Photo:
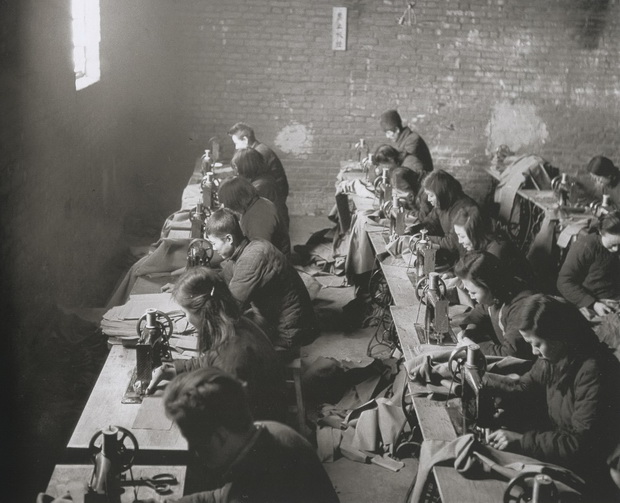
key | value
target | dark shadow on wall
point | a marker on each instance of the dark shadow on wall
(590, 22)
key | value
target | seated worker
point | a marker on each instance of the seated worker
(413, 150)
(579, 376)
(259, 274)
(243, 137)
(251, 165)
(258, 216)
(445, 195)
(229, 341)
(257, 461)
(605, 177)
(475, 233)
(495, 321)
(590, 274)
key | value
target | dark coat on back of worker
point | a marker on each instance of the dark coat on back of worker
(258, 273)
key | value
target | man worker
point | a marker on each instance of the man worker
(257, 461)
(414, 152)
(243, 137)
(258, 274)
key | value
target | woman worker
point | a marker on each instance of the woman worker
(251, 165)
(579, 377)
(495, 321)
(445, 195)
(258, 216)
(590, 275)
(227, 340)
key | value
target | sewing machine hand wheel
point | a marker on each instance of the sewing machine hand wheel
(163, 321)
(127, 447)
(200, 249)
(521, 489)
(422, 287)
(458, 357)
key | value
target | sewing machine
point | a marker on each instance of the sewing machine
(208, 186)
(531, 487)
(603, 207)
(562, 187)
(154, 329)
(395, 210)
(197, 217)
(383, 189)
(206, 163)
(424, 254)
(112, 451)
(199, 253)
(468, 365)
(431, 291)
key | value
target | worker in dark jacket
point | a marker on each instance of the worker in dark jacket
(257, 462)
(494, 322)
(251, 165)
(580, 376)
(414, 152)
(258, 274)
(445, 195)
(259, 218)
(228, 341)
(590, 275)
(243, 137)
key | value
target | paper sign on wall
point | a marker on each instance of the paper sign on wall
(339, 29)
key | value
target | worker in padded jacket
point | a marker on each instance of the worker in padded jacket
(494, 322)
(445, 195)
(414, 152)
(590, 275)
(257, 462)
(579, 376)
(258, 274)
(229, 341)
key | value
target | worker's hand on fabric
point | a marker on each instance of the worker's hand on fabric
(504, 439)
(463, 340)
(452, 282)
(601, 308)
(165, 372)
(168, 287)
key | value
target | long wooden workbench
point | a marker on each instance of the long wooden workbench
(433, 416)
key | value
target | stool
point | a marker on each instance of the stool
(293, 380)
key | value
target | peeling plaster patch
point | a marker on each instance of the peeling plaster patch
(517, 126)
(294, 139)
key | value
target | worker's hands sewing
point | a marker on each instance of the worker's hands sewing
(603, 307)
(168, 287)
(165, 372)
(504, 439)
(462, 339)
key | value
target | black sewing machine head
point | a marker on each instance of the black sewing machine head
(198, 217)
(603, 207)
(153, 348)
(431, 291)
(563, 188)
(199, 253)
(112, 451)
(383, 189)
(468, 365)
(424, 254)
(209, 186)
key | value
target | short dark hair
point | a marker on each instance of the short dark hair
(250, 163)
(390, 120)
(405, 179)
(222, 222)
(237, 194)
(386, 154)
(610, 223)
(603, 166)
(208, 398)
(484, 269)
(446, 188)
(241, 129)
(477, 226)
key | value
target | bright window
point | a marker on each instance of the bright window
(86, 37)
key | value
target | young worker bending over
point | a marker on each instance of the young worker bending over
(259, 274)
(228, 341)
(580, 377)
(495, 321)
(258, 461)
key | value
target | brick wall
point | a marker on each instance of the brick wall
(469, 75)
